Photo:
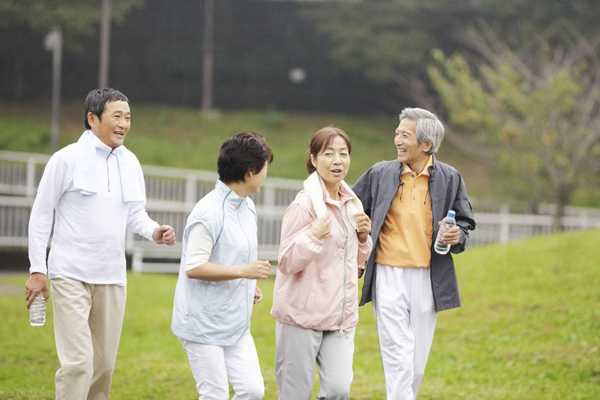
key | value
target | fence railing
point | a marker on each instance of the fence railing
(173, 192)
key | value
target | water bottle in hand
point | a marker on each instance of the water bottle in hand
(37, 311)
(447, 223)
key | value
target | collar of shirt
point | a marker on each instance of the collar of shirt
(406, 169)
(102, 148)
(229, 195)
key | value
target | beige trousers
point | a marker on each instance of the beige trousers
(87, 328)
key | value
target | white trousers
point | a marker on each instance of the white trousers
(214, 366)
(297, 351)
(406, 318)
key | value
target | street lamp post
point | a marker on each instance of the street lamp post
(53, 42)
(104, 45)
(207, 81)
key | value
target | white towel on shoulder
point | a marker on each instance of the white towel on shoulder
(84, 175)
(312, 186)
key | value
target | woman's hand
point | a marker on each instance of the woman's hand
(256, 270)
(361, 270)
(321, 227)
(258, 296)
(364, 226)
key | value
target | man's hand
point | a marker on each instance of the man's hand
(256, 270)
(164, 234)
(321, 227)
(36, 284)
(451, 236)
(364, 226)
(258, 295)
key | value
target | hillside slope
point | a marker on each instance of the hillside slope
(181, 137)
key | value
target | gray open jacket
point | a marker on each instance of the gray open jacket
(376, 189)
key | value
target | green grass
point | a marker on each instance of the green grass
(181, 137)
(528, 329)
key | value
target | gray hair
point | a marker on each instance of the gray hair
(429, 127)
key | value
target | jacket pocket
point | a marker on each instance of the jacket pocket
(188, 293)
(208, 300)
(310, 300)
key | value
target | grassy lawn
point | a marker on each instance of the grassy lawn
(181, 137)
(528, 329)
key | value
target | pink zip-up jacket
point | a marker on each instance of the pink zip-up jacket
(316, 286)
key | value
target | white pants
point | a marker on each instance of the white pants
(406, 318)
(213, 366)
(297, 351)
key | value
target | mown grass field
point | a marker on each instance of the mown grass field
(528, 329)
(181, 137)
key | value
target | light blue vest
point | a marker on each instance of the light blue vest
(218, 313)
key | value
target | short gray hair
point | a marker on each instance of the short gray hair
(429, 127)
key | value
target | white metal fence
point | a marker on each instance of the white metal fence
(173, 192)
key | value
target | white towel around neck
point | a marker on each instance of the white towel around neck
(84, 175)
(312, 186)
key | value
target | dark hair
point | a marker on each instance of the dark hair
(241, 153)
(96, 100)
(320, 140)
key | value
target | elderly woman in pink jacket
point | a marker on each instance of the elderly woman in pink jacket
(324, 245)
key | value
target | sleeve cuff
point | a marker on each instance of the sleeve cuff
(41, 270)
(151, 231)
(314, 244)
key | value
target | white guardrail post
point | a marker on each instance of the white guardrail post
(504, 223)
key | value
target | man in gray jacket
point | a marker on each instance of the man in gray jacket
(407, 280)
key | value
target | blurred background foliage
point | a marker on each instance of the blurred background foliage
(361, 58)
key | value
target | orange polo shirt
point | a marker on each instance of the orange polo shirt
(406, 235)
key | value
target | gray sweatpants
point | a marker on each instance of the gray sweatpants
(297, 351)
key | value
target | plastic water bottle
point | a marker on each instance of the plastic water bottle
(37, 311)
(447, 223)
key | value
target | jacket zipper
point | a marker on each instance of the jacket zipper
(248, 312)
(344, 281)
(108, 170)
(429, 183)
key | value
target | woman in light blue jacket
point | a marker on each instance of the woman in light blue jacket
(217, 277)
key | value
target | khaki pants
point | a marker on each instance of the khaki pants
(87, 328)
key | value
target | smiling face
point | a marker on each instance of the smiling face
(332, 162)
(114, 124)
(408, 147)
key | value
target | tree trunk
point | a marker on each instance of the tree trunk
(562, 199)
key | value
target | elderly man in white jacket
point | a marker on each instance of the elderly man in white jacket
(95, 190)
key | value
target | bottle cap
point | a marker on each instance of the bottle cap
(451, 213)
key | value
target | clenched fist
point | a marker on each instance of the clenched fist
(164, 234)
(321, 227)
(257, 270)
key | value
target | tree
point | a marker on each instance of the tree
(20, 20)
(78, 19)
(536, 106)
(380, 39)
(390, 41)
